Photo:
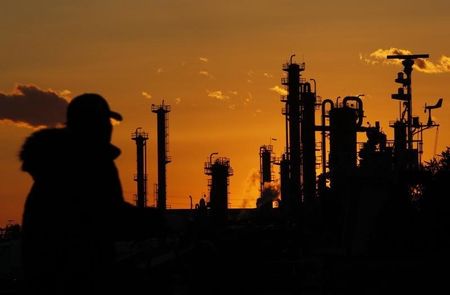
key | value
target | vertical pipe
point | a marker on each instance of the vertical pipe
(287, 132)
(284, 179)
(408, 63)
(161, 160)
(261, 170)
(324, 145)
(293, 102)
(308, 102)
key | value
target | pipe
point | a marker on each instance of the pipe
(324, 146)
(210, 157)
(315, 85)
(286, 123)
(307, 87)
(359, 109)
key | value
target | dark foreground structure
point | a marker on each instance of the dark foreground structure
(376, 220)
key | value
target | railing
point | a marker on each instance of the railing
(286, 66)
(135, 177)
(163, 107)
(285, 80)
(318, 100)
(318, 146)
(137, 134)
(392, 122)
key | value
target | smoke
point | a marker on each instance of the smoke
(252, 181)
(270, 193)
(252, 195)
(32, 107)
(251, 188)
(422, 65)
(271, 190)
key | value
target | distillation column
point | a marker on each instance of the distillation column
(342, 159)
(220, 171)
(140, 137)
(308, 139)
(161, 112)
(292, 111)
(265, 165)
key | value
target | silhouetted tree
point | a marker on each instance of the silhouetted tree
(436, 203)
(439, 164)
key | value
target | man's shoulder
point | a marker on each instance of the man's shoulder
(42, 145)
(43, 136)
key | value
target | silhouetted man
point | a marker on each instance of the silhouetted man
(75, 209)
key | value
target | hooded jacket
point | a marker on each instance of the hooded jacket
(71, 212)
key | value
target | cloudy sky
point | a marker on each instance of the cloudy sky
(218, 64)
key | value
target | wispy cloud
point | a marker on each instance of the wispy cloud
(248, 99)
(217, 94)
(267, 75)
(30, 106)
(422, 65)
(66, 94)
(146, 95)
(159, 70)
(232, 107)
(206, 74)
(233, 92)
(279, 90)
(203, 59)
(426, 66)
(178, 100)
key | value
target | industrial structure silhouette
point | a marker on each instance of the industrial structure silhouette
(364, 202)
(374, 216)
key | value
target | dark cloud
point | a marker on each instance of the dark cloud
(33, 107)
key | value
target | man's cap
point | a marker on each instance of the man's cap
(88, 106)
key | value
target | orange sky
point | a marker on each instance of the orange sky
(214, 62)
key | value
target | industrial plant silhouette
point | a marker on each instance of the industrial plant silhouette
(375, 220)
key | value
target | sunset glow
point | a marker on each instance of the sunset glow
(218, 65)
